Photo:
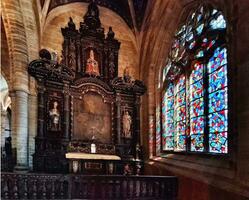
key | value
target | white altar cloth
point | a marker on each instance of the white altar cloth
(91, 156)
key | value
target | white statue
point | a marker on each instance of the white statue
(54, 117)
(127, 124)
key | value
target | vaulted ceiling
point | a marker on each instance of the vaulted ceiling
(132, 11)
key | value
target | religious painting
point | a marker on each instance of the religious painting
(54, 115)
(92, 118)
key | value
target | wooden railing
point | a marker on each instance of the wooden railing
(50, 186)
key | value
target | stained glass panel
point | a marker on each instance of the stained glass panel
(181, 127)
(219, 58)
(217, 101)
(196, 90)
(199, 29)
(218, 79)
(197, 125)
(184, 108)
(180, 142)
(218, 23)
(197, 143)
(218, 142)
(218, 121)
(180, 98)
(169, 143)
(170, 90)
(158, 130)
(180, 83)
(197, 73)
(180, 113)
(196, 108)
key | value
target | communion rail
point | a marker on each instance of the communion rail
(69, 186)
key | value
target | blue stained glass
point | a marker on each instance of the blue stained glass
(197, 73)
(219, 58)
(180, 83)
(170, 90)
(197, 125)
(218, 142)
(218, 121)
(217, 100)
(197, 143)
(190, 36)
(218, 79)
(218, 23)
(199, 29)
(181, 127)
(196, 90)
(200, 54)
(170, 117)
(196, 108)
(170, 102)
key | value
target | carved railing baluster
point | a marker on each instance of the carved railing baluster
(25, 189)
(44, 191)
(52, 189)
(6, 189)
(15, 190)
(34, 190)
(30, 186)
(61, 189)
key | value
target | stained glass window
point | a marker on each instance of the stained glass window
(195, 86)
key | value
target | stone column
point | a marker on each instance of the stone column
(32, 128)
(20, 128)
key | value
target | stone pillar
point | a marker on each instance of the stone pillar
(4, 126)
(32, 128)
(20, 128)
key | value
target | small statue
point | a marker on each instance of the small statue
(54, 117)
(127, 169)
(126, 75)
(127, 124)
(92, 67)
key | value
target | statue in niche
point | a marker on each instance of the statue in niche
(127, 121)
(126, 75)
(92, 67)
(54, 114)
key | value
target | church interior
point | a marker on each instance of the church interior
(125, 99)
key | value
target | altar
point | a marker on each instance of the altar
(87, 163)
(83, 100)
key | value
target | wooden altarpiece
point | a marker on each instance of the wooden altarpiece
(82, 100)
